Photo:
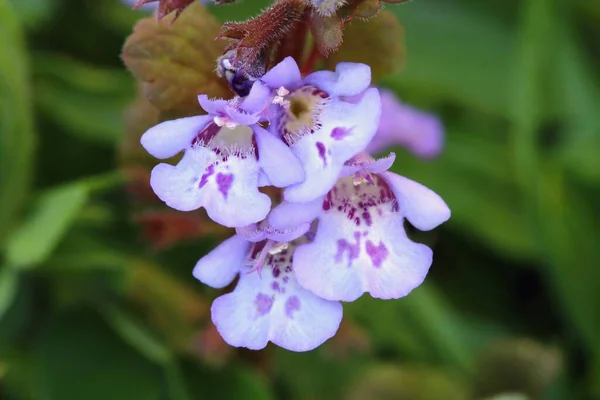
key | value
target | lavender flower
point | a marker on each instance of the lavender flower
(360, 244)
(228, 155)
(401, 125)
(313, 118)
(307, 136)
(272, 307)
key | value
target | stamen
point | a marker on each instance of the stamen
(361, 177)
(262, 256)
(278, 248)
(226, 122)
(280, 98)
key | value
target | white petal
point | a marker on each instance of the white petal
(218, 268)
(287, 215)
(171, 137)
(275, 308)
(277, 160)
(231, 196)
(177, 185)
(421, 206)
(349, 79)
(345, 261)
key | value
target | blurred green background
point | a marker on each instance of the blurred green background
(89, 309)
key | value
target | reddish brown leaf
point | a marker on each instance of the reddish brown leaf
(327, 32)
(262, 35)
(176, 62)
(165, 228)
(171, 305)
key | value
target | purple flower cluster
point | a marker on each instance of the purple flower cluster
(337, 229)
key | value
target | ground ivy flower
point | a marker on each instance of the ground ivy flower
(227, 155)
(321, 128)
(271, 307)
(360, 243)
(401, 125)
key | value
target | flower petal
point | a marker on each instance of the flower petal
(228, 109)
(286, 74)
(277, 160)
(349, 79)
(171, 137)
(324, 152)
(231, 195)
(177, 185)
(275, 308)
(421, 206)
(419, 132)
(212, 106)
(345, 261)
(218, 268)
(258, 99)
(287, 215)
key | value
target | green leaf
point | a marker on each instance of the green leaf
(137, 335)
(16, 121)
(87, 100)
(388, 381)
(176, 384)
(580, 101)
(8, 289)
(78, 357)
(377, 42)
(560, 212)
(455, 53)
(34, 12)
(516, 366)
(233, 382)
(18, 314)
(53, 213)
(471, 176)
(421, 326)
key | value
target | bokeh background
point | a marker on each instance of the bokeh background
(97, 300)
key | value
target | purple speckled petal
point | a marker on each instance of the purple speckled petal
(323, 155)
(227, 189)
(218, 268)
(400, 125)
(360, 246)
(275, 308)
(171, 137)
(420, 205)
(232, 197)
(286, 74)
(287, 215)
(280, 165)
(349, 79)
(177, 185)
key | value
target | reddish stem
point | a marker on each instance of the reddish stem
(311, 61)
